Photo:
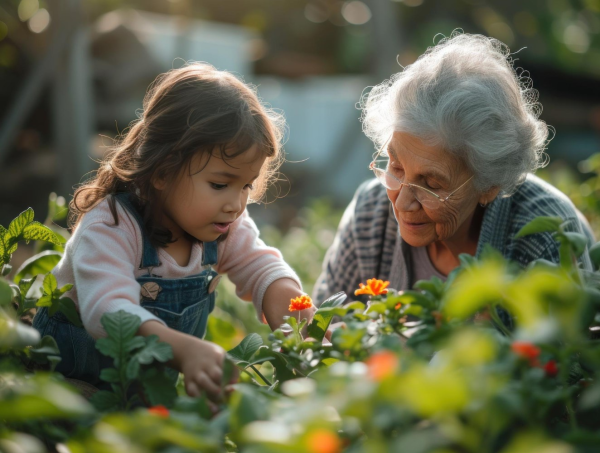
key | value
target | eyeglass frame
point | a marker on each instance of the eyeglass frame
(409, 184)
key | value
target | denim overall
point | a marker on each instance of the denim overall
(183, 304)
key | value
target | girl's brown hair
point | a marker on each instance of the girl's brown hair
(192, 109)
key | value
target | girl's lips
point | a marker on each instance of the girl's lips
(222, 227)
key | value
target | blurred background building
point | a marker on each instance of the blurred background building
(74, 72)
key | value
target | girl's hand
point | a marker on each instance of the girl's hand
(201, 363)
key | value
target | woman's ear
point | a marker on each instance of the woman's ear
(489, 195)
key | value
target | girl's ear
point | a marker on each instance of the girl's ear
(159, 183)
(489, 195)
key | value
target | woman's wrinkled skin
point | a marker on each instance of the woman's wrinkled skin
(454, 227)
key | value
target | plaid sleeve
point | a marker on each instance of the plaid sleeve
(340, 271)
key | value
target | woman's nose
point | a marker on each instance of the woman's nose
(405, 200)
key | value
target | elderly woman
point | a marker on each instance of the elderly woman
(458, 137)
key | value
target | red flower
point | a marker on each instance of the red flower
(551, 368)
(160, 411)
(527, 351)
(300, 303)
(373, 287)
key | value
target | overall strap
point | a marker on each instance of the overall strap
(149, 252)
(209, 253)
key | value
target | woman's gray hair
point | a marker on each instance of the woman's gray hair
(464, 94)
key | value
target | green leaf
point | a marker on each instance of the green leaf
(228, 369)
(541, 225)
(67, 307)
(376, 307)
(335, 300)
(50, 284)
(152, 349)
(65, 288)
(44, 301)
(42, 263)
(3, 237)
(244, 351)
(105, 401)
(159, 388)
(247, 405)
(595, 254)
(16, 227)
(46, 351)
(577, 241)
(35, 231)
(110, 375)
(321, 320)
(120, 327)
(6, 292)
(25, 285)
(16, 335)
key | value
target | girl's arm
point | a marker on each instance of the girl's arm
(277, 301)
(259, 272)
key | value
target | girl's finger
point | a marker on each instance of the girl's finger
(213, 391)
(216, 374)
(192, 389)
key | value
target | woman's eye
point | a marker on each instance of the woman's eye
(216, 186)
(249, 187)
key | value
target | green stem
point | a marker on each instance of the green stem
(564, 377)
(261, 376)
(499, 322)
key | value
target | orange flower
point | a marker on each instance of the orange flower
(373, 287)
(382, 364)
(160, 411)
(398, 305)
(323, 441)
(526, 351)
(300, 303)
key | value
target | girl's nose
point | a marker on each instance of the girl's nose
(235, 203)
(405, 200)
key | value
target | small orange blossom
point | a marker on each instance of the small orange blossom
(382, 364)
(159, 410)
(373, 287)
(526, 351)
(300, 303)
(323, 441)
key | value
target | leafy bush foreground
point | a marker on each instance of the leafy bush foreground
(495, 359)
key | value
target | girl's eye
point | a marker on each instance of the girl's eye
(216, 186)
(249, 187)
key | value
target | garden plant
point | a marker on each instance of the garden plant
(498, 358)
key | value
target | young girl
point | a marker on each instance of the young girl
(167, 205)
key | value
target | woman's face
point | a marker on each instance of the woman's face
(433, 168)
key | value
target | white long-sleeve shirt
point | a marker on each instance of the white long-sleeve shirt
(102, 259)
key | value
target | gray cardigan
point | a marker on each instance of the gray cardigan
(366, 239)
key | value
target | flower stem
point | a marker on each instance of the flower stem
(261, 376)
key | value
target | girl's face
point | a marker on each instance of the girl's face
(208, 196)
(433, 168)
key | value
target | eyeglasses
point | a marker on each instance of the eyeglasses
(427, 198)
